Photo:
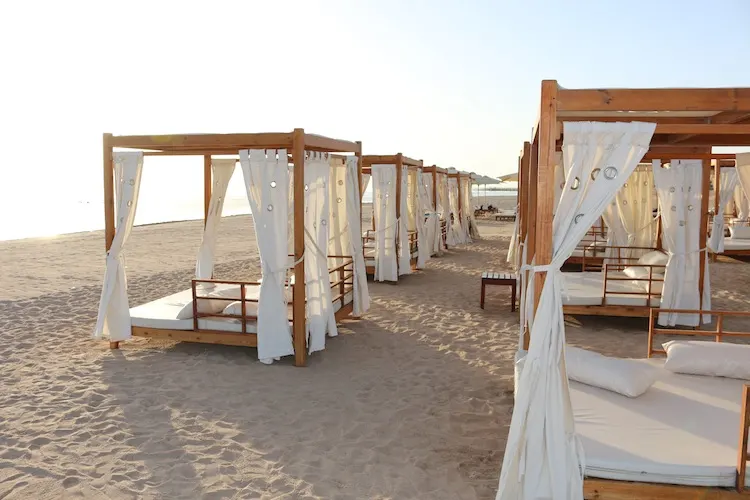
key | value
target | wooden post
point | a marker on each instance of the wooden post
(742, 448)
(399, 165)
(434, 189)
(706, 189)
(532, 187)
(207, 186)
(109, 200)
(546, 182)
(659, 244)
(299, 332)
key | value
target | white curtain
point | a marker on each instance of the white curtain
(559, 178)
(679, 190)
(266, 175)
(512, 256)
(338, 240)
(725, 191)
(617, 236)
(365, 183)
(456, 228)
(354, 218)
(543, 455)
(384, 215)
(320, 314)
(635, 207)
(113, 319)
(742, 166)
(404, 253)
(444, 207)
(222, 170)
(467, 210)
(433, 217)
(741, 203)
(472, 224)
(424, 243)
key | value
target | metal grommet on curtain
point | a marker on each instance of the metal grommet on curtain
(682, 223)
(338, 200)
(577, 218)
(270, 208)
(323, 222)
(131, 182)
(610, 172)
(307, 188)
(576, 184)
(690, 208)
(671, 190)
(624, 202)
(595, 173)
(625, 185)
(273, 184)
(674, 208)
(562, 185)
(341, 183)
(130, 203)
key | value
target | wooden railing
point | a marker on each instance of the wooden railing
(717, 333)
(655, 275)
(617, 254)
(342, 282)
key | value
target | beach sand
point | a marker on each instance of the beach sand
(412, 401)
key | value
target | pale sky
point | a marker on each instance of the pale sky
(452, 82)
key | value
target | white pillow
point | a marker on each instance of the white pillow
(739, 232)
(235, 309)
(636, 272)
(205, 306)
(700, 357)
(623, 376)
(654, 258)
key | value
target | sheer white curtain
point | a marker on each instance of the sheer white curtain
(635, 206)
(421, 209)
(466, 208)
(513, 246)
(543, 456)
(725, 191)
(445, 208)
(742, 166)
(741, 202)
(222, 170)
(456, 228)
(354, 218)
(113, 319)
(559, 178)
(433, 217)
(266, 175)
(338, 241)
(617, 236)
(384, 214)
(679, 190)
(320, 314)
(404, 254)
(365, 183)
(469, 209)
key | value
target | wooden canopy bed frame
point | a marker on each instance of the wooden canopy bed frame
(400, 161)
(724, 161)
(434, 170)
(299, 144)
(689, 122)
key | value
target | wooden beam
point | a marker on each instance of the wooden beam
(320, 143)
(299, 328)
(725, 117)
(702, 129)
(603, 489)
(738, 140)
(203, 337)
(207, 186)
(109, 191)
(699, 100)
(686, 155)
(531, 228)
(546, 182)
(206, 141)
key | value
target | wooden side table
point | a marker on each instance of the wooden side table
(507, 279)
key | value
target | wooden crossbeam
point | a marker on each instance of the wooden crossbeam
(726, 99)
(727, 117)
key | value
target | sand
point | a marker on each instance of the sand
(412, 401)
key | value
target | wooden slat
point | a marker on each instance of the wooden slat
(705, 128)
(725, 117)
(742, 448)
(602, 489)
(203, 336)
(320, 143)
(703, 230)
(109, 191)
(206, 141)
(728, 99)
(707, 140)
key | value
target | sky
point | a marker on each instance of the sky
(455, 83)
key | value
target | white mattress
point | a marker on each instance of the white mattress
(587, 289)
(683, 430)
(736, 244)
(162, 313)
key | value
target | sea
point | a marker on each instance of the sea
(48, 219)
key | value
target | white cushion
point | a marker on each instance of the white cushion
(235, 309)
(655, 258)
(636, 272)
(738, 232)
(700, 357)
(208, 306)
(623, 376)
